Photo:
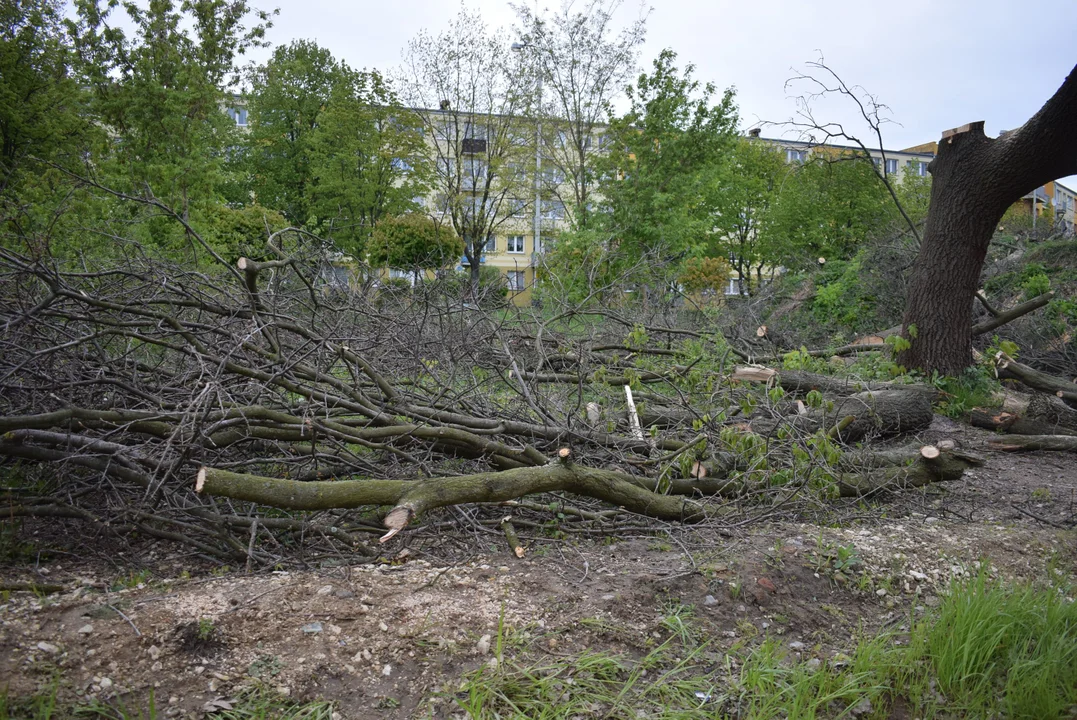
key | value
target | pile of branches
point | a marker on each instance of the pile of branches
(176, 403)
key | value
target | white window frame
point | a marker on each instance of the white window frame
(891, 166)
(793, 155)
(514, 244)
(491, 244)
(517, 280)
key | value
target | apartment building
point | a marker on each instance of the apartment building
(912, 160)
(515, 247)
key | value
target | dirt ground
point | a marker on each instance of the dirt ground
(393, 639)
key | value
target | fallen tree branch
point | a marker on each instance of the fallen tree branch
(1020, 443)
(411, 498)
(1009, 369)
(1012, 314)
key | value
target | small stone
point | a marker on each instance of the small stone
(157, 666)
(609, 597)
(930, 521)
(284, 690)
(492, 663)
(48, 647)
(173, 700)
(325, 589)
(387, 670)
(797, 646)
(742, 608)
(383, 627)
(359, 656)
(344, 593)
(813, 663)
(334, 630)
(767, 584)
(200, 669)
(483, 645)
(86, 629)
(314, 627)
(105, 683)
(710, 600)
(881, 592)
(367, 655)
(154, 651)
(861, 708)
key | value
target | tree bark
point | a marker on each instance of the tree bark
(974, 180)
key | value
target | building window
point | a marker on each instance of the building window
(552, 175)
(400, 164)
(553, 209)
(917, 168)
(891, 167)
(516, 280)
(239, 115)
(733, 288)
(491, 243)
(517, 208)
(796, 156)
(515, 244)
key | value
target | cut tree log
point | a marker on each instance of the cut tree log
(1016, 443)
(906, 468)
(511, 536)
(802, 382)
(878, 413)
(1027, 414)
(883, 413)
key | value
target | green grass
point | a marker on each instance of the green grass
(1014, 648)
(988, 650)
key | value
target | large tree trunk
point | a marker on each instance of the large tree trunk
(974, 180)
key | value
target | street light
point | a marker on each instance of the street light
(537, 228)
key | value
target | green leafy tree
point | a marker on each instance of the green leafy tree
(39, 100)
(413, 242)
(288, 95)
(740, 199)
(826, 209)
(368, 161)
(663, 154)
(158, 89)
(42, 125)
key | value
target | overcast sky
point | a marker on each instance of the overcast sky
(936, 63)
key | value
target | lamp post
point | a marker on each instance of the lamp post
(537, 227)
